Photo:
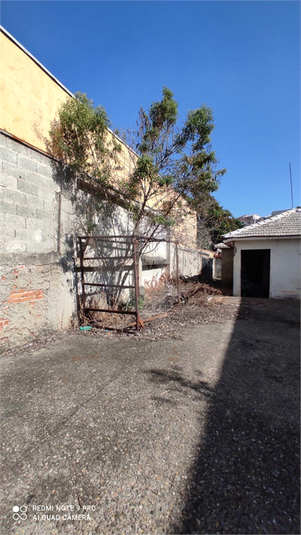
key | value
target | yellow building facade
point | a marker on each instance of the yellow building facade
(29, 95)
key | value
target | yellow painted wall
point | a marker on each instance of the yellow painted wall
(29, 101)
(29, 97)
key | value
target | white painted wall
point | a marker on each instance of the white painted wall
(284, 266)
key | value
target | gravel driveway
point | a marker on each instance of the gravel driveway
(194, 432)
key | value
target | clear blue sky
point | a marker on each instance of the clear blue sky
(241, 58)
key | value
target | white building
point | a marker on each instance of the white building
(266, 257)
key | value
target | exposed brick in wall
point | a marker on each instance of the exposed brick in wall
(37, 279)
(3, 323)
(20, 296)
(35, 299)
(36, 291)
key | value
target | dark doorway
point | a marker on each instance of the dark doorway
(255, 273)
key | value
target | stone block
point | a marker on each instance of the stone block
(39, 180)
(49, 205)
(45, 214)
(46, 246)
(27, 187)
(29, 164)
(8, 207)
(45, 170)
(8, 181)
(39, 157)
(8, 155)
(35, 224)
(34, 201)
(13, 222)
(26, 211)
(45, 193)
(25, 235)
(16, 246)
(15, 196)
(9, 169)
(14, 145)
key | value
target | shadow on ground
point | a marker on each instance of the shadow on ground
(246, 475)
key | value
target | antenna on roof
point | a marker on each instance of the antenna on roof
(291, 185)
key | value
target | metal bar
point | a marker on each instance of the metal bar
(82, 275)
(96, 269)
(110, 238)
(157, 240)
(177, 273)
(121, 258)
(135, 259)
(112, 311)
(107, 285)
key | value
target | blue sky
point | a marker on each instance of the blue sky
(241, 58)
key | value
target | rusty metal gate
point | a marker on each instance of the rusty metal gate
(120, 256)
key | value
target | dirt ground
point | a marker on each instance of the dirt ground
(189, 426)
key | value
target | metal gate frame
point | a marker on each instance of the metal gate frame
(84, 242)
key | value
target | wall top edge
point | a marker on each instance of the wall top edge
(9, 36)
(26, 144)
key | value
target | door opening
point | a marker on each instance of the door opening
(255, 273)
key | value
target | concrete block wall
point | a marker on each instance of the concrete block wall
(29, 200)
(191, 261)
(36, 298)
(37, 223)
(36, 289)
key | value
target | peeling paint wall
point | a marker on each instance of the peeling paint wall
(37, 293)
(36, 298)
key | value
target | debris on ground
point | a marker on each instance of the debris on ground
(162, 312)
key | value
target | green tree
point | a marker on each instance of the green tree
(170, 162)
(172, 156)
(214, 221)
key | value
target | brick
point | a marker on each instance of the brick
(8, 207)
(12, 170)
(27, 187)
(25, 295)
(8, 155)
(26, 163)
(3, 323)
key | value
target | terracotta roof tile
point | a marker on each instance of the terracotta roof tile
(285, 224)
